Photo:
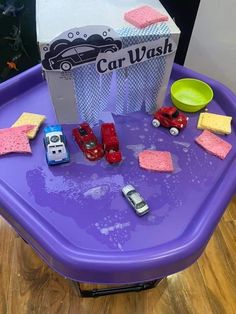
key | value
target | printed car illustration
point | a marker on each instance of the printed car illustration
(87, 142)
(110, 143)
(171, 118)
(79, 54)
(55, 145)
(135, 200)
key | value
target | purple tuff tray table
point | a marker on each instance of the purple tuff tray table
(74, 215)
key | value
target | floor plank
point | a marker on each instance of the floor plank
(209, 286)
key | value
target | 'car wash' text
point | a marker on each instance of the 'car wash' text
(107, 62)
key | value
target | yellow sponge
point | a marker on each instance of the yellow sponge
(30, 118)
(199, 124)
(215, 123)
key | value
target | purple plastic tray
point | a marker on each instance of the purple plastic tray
(74, 215)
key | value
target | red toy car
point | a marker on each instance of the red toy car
(110, 143)
(171, 118)
(88, 142)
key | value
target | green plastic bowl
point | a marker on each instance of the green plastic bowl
(190, 95)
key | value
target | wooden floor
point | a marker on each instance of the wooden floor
(27, 285)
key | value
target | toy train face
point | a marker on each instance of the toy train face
(55, 145)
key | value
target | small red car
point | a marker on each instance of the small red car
(171, 118)
(87, 142)
(110, 143)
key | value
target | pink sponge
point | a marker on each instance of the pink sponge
(214, 144)
(156, 160)
(144, 16)
(15, 140)
(23, 128)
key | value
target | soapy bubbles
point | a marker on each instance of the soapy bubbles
(70, 35)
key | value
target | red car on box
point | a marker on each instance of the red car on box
(171, 118)
(110, 143)
(88, 142)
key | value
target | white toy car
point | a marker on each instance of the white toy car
(55, 145)
(135, 199)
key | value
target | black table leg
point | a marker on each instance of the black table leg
(114, 290)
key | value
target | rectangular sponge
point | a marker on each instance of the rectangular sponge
(156, 160)
(144, 16)
(214, 122)
(214, 144)
(30, 118)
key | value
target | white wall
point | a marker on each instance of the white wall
(212, 48)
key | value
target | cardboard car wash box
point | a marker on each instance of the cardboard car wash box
(95, 61)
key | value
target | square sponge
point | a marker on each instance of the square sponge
(32, 119)
(215, 122)
(144, 16)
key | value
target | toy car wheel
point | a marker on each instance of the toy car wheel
(156, 123)
(66, 66)
(44, 143)
(109, 50)
(174, 131)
